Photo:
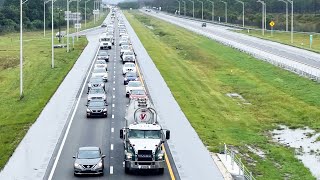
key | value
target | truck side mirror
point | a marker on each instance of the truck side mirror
(121, 133)
(168, 134)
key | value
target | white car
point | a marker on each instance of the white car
(123, 33)
(133, 85)
(128, 56)
(105, 45)
(100, 72)
(97, 93)
(101, 64)
(124, 42)
(124, 48)
(129, 67)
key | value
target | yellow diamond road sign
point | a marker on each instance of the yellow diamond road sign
(272, 23)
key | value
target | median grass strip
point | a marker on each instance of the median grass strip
(200, 72)
(300, 40)
(40, 83)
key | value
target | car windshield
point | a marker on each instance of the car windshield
(88, 154)
(134, 84)
(96, 91)
(99, 71)
(138, 92)
(96, 103)
(144, 134)
(128, 53)
(103, 53)
(131, 74)
(129, 65)
(96, 80)
(125, 47)
(101, 62)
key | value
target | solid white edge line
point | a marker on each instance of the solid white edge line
(111, 169)
(71, 120)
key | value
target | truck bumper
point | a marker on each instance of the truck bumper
(132, 165)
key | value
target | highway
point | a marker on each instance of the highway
(102, 132)
(245, 43)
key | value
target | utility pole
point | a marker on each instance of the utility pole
(184, 7)
(52, 40)
(212, 13)
(179, 6)
(263, 16)
(242, 11)
(225, 10)
(44, 17)
(68, 23)
(59, 25)
(192, 8)
(291, 2)
(201, 9)
(21, 50)
(286, 13)
(85, 13)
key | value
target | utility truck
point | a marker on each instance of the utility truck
(143, 138)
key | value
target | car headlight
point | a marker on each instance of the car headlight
(125, 79)
(129, 155)
(76, 165)
(99, 165)
(88, 110)
(89, 85)
(105, 110)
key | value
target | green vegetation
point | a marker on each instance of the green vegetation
(40, 82)
(200, 72)
(300, 40)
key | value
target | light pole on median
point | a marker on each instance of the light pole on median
(286, 13)
(225, 10)
(242, 11)
(263, 24)
(52, 40)
(77, 27)
(212, 13)
(85, 13)
(291, 2)
(21, 50)
(201, 9)
(179, 6)
(192, 8)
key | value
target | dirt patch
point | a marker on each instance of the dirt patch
(8, 62)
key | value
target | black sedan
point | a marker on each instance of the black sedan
(89, 160)
(97, 108)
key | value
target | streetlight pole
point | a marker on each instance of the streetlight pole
(184, 7)
(85, 13)
(263, 24)
(242, 11)
(212, 13)
(52, 40)
(192, 8)
(286, 13)
(59, 25)
(291, 2)
(68, 19)
(201, 9)
(21, 50)
(226, 10)
(94, 8)
(179, 6)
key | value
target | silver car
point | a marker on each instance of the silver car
(97, 93)
(89, 160)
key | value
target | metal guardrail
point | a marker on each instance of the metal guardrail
(243, 171)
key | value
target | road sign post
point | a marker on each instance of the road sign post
(271, 25)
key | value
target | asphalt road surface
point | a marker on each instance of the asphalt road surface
(102, 132)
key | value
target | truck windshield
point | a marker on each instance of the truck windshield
(144, 134)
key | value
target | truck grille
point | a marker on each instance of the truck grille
(144, 155)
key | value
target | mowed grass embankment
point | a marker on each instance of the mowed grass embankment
(300, 40)
(200, 72)
(40, 83)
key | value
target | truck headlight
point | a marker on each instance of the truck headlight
(160, 156)
(129, 155)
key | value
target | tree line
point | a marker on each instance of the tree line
(33, 14)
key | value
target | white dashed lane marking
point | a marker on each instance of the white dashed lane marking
(112, 130)
(112, 105)
(111, 169)
(112, 116)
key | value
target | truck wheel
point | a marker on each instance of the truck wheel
(161, 170)
(126, 170)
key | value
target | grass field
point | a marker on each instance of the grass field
(300, 40)
(200, 72)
